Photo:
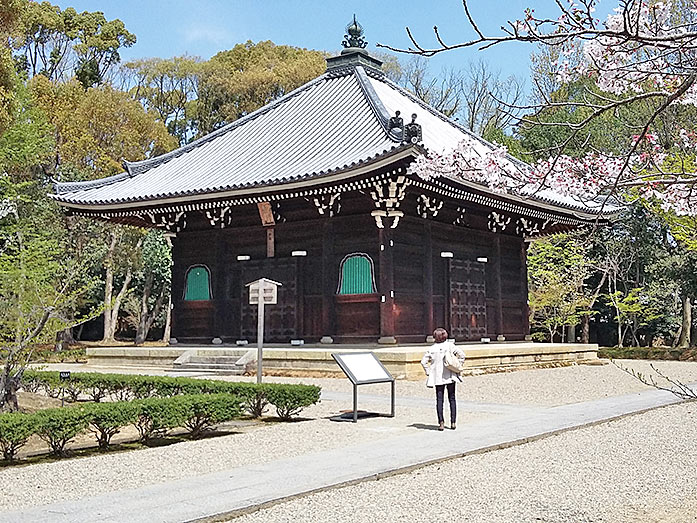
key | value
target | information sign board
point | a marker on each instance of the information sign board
(363, 368)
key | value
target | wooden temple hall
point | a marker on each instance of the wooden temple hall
(314, 191)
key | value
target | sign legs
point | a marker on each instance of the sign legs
(355, 403)
(260, 337)
(393, 394)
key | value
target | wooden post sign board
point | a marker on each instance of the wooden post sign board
(363, 368)
(63, 375)
(262, 292)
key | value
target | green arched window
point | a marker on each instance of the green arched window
(356, 276)
(198, 283)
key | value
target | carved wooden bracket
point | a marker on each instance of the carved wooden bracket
(169, 221)
(461, 220)
(327, 204)
(498, 221)
(220, 217)
(388, 196)
(428, 207)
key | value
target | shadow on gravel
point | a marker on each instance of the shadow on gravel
(423, 426)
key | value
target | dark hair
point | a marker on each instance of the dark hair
(440, 335)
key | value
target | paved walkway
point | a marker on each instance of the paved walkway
(240, 489)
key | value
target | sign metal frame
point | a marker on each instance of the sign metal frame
(351, 375)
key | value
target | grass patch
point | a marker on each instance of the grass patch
(48, 355)
(648, 353)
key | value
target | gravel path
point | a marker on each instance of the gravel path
(44, 483)
(638, 469)
(547, 387)
(50, 482)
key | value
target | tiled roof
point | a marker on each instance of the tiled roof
(330, 125)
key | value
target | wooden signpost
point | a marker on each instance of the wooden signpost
(64, 375)
(262, 292)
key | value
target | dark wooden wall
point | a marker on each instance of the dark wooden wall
(428, 291)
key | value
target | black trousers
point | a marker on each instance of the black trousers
(440, 392)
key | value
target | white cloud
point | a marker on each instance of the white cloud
(206, 34)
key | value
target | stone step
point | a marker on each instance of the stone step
(228, 360)
(234, 370)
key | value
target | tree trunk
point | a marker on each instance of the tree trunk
(620, 336)
(586, 328)
(109, 290)
(141, 328)
(117, 304)
(147, 317)
(571, 336)
(9, 385)
(686, 327)
(167, 332)
(635, 329)
(64, 338)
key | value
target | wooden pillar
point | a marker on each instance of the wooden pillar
(386, 286)
(428, 279)
(270, 242)
(497, 283)
(174, 290)
(327, 281)
(219, 276)
(524, 283)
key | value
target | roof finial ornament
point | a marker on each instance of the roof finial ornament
(412, 131)
(396, 122)
(354, 38)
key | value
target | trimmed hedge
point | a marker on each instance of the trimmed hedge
(107, 419)
(289, 399)
(153, 417)
(15, 430)
(58, 427)
(157, 416)
(206, 410)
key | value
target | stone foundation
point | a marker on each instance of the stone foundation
(404, 362)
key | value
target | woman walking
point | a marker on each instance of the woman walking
(440, 377)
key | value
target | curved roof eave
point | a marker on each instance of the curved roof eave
(395, 154)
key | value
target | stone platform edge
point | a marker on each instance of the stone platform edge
(401, 361)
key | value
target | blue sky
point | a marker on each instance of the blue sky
(204, 27)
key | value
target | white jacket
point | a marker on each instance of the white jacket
(432, 362)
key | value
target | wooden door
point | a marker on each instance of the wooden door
(467, 300)
(282, 319)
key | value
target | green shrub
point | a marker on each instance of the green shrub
(291, 400)
(142, 387)
(257, 400)
(156, 416)
(31, 381)
(120, 386)
(15, 429)
(539, 337)
(106, 419)
(50, 383)
(73, 388)
(57, 427)
(95, 385)
(166, 387)
(206, 410)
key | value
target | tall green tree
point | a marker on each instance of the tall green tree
(39, 292)
(63, 43)
(168, 89)
(557, 269)
(10, 15)
(248, 76)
